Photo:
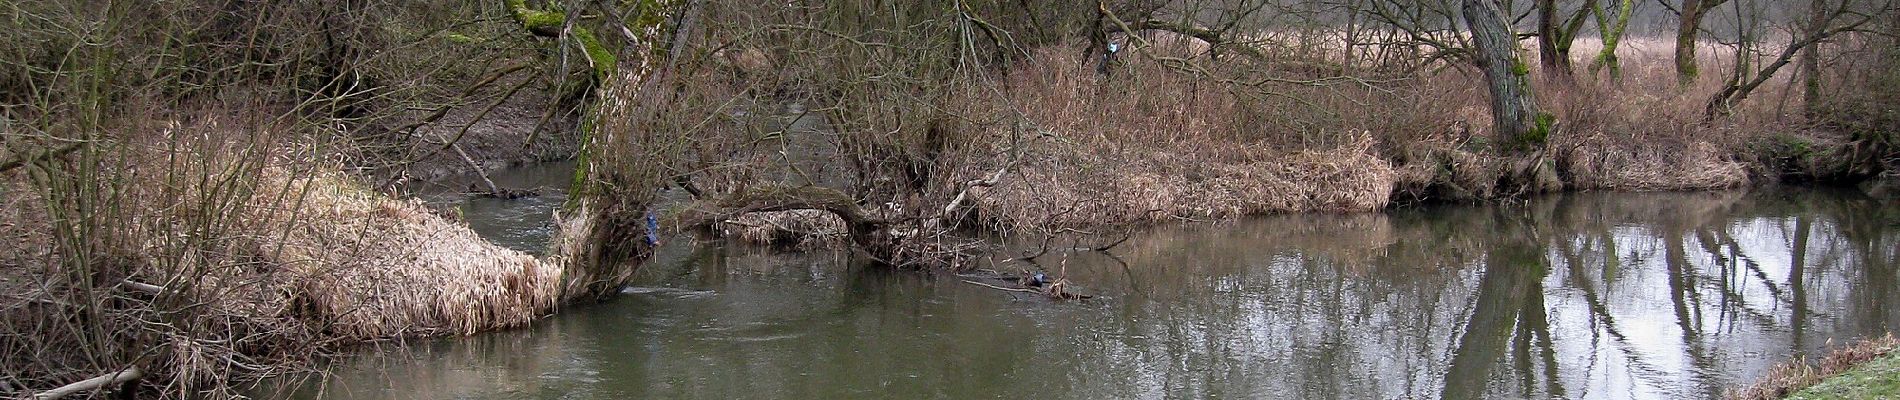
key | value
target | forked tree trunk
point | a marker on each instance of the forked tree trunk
(1737, 90)
(1611, 28)
(1518, 124)
(1555, 34)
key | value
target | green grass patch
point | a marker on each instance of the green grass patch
(1877, 379)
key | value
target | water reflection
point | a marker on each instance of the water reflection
(1580, 296)
(522, 224)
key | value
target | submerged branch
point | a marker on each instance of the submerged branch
(122, 376)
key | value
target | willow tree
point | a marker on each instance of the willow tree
(1517, 122)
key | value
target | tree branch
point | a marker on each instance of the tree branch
(122, 376)
(23, 159)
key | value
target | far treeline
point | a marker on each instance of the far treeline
(199, 193)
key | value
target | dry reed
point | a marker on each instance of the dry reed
(261, 260)
(1154, 140)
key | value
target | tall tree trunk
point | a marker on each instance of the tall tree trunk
(1811, 58)
(613, 189)
(1517, 122)
(1550, 50)
(1687, 30)
(1555, 34)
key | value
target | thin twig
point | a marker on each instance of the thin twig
(1000, 287)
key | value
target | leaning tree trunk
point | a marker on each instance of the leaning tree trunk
(1737, 90)
(1517, 123)
(620, 165)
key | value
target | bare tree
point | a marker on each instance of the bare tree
(1845, 16)
(1811, 59)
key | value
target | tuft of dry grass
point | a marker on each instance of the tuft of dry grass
(1792, 376)
(263, 261)
(1068, 186)
(369, 266)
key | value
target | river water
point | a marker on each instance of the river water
(1593, 295)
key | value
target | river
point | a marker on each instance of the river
(1591, 295)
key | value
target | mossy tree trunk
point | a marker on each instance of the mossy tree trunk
(553, 24)
(602, 239)
(1611, 24)
(1518, 125)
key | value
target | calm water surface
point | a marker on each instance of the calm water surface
(1576, 296)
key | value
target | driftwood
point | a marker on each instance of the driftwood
(1002, 288)
(95, 383)
(768, 199)
(970, 189)
(1055, 290)
(147, 288)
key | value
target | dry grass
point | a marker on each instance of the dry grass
(1154, 140)
(370, 267)
(1152, 143)
(1794, 375)
(266, 259)
(1648, 133)
(799, 229)
(1069, 186)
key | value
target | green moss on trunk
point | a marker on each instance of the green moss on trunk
(601, 60)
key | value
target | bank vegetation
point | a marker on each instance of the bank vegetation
(196, 194)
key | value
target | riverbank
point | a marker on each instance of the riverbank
(294, 261)
(1153, 143)
(1150, 142)
(1875, 379)
(225, 258)
(208, 227)
(1864, 369)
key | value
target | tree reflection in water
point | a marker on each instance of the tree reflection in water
(1580, 296)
